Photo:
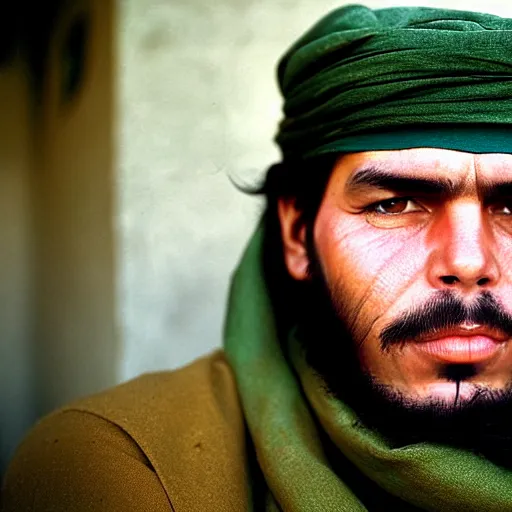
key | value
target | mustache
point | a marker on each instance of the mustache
(445, 310)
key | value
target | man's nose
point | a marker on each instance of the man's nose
(464, 255)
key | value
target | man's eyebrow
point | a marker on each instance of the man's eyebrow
(372, 177)
(492, 190)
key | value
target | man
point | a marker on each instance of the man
(367, 360)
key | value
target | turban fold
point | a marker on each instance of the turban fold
(398, 78)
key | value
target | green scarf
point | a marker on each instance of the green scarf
(284, 404)
(398, 78)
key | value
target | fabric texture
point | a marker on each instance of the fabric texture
(286, 407)
(398, 78)
(164, 442)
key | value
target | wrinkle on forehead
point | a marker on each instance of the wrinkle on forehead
(467, 171)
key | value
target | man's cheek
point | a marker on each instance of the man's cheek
(381, 270)
(349, 245)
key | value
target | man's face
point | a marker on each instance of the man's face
(415, 247)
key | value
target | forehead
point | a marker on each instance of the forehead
(456, 166)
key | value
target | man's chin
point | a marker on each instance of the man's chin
(466, 415)
(457, 394)
(444, 398)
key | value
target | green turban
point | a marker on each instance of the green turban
(398, 78)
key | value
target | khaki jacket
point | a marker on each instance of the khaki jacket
(170, 441)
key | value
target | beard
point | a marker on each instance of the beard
(480, 422)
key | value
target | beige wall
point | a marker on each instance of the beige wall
(16, 286)
(76, 341)
(58, 336)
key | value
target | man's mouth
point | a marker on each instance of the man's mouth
(465, 344)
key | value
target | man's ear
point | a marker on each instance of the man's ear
(293, 234)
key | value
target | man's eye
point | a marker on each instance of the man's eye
(395, 206)
(502, 209)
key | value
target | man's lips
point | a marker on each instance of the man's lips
(463, 345)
